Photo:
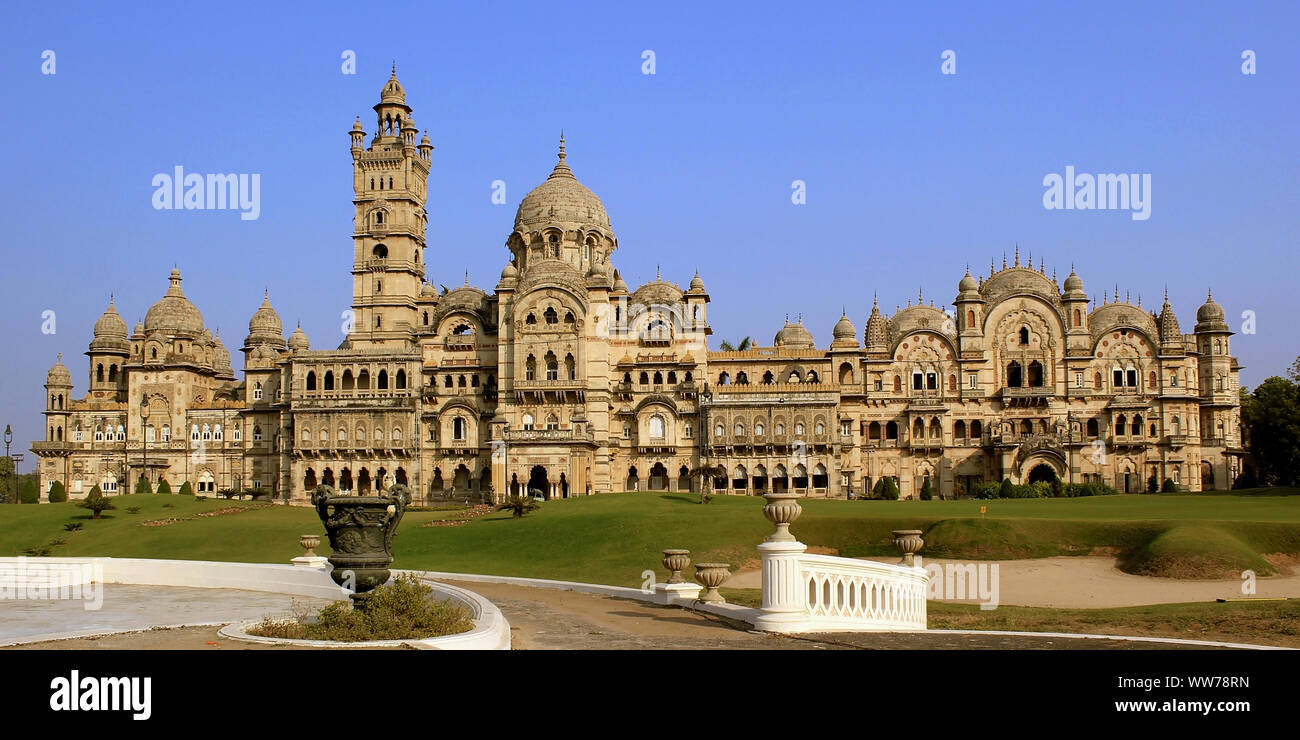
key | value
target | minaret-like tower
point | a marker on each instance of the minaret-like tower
(390, 182)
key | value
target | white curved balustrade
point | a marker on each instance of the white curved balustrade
(842, 593)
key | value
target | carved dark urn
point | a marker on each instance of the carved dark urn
(361, 530)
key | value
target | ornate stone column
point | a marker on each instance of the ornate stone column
(784, 594)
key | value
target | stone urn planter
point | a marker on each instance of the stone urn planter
(782, 509)
(309, 543)
(676, 561)
(908, 542)
(361, 530)
(710, 576)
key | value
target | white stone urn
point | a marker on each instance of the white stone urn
(782, 509)
(908, 542)
(712, 575)
(309, 543)
(676, 561)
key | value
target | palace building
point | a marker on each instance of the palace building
(563, 380)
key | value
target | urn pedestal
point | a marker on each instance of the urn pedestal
(712, 575)
(310, 559)
(908, 542)
(676, 590)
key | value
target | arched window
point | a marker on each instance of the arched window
(1096, 381)
(329, 380)
(1137, 425)
(657, 427)
(531, 320)
(959, 429)
(898, 384)
(724, 379)
(363, 380)
(798, 429)
(1121, 425)
(460, 381)
(1036, 374)
(382, 381)
(379, 252)
(758, 429)
(570, 368)
(1013, 375)
(1177, 426)
(659, 378)
(99, 371)
(527, 420)
(1078, 318)
(257, 391)
(311, 381)
(717, 430)
(112, 373)
(551, 316)
(672, 377)
(401, 380)
(458, 428)
(970, 319)
(1151, 380)
(742, 378)
(768, 378)
(952, 382)
(873, 430)
(1094, 429)
(846, 374)
(740, 430)
(891, 430)
(530, 368)
(645, 378)
(1024, 335)
(976, 429)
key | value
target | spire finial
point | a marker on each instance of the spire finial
(659, 275)
(1017, 254)
(60, 360)
(561, 144)
(467, 278)
(1004, 259)
(1166, 292)
(874, 302)
(394, 67)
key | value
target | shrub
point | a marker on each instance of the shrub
(404, 609)
(1168, 486)
(1089, 489)
(1152, 484)
(1058, 488)
(164, 487)
(133, 509)
(142, 485)
(987, 490)
(58, 494)
(878, 490)
(519, 505)
(927, 491)
(1007, 489)
(27, 493)
(96, 502)
(73, 527)
(169, 506)
(186, 489)
(39, 551)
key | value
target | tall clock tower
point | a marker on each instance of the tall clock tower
(390, 181)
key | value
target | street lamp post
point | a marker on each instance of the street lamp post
(144, 437)
(9, 438)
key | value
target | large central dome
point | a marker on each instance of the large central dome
(561, 201)
(174, 314)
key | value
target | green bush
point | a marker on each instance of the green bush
(142, 485)
(1168, 486)
(27, 493)
(1007, 489)
(73, 527)
(1076, 490)
(1058, 488)
(164, 487)
(186, 489)
(1152, 484)
(133, 509)
(519, 505)
(927, 491)
(58, 494)
(96, 502)
(404, 609)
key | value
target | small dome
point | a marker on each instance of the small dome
(697, 285)
(424, 140)
(173, 313)
(1073, 283)
(428, 291)
(59, 375)
(265, 326)
(1209, 317)
(794, 336)
(561, 199)
(139, 329)
(968, 284)
(298, 339)
(221, 359)
(393, 91)
(111, 324)
(510, 272)
(620, 285)
(657, 293)
(845, 334)
(356, 125)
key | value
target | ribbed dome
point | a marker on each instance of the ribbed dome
(173, 313)
(794, 336)
(657, 293)
(1209, 317)
(509, 272)
(298, 340)
(393, 91)
(697, 285)
(59, 375)
(265, 326)
(428, 291)
(139, 329)
(221, 358)
(111, 324)
(968, 284)
(561, 199)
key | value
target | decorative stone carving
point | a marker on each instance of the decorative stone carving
(676, 561)
(309, 542)
(712, 575)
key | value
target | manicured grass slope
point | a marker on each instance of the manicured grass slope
(612, 538)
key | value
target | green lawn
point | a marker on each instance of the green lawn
(612, 538)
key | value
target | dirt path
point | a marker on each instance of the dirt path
(1089, 582)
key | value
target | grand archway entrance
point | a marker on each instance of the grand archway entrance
(1042, 473)
(538, 483)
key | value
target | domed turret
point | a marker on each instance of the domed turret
(1210, 316)
(393, 91)
(58, 376)
(110, 332)
(845, 334)
(428, 291)
(968, 284)
(265, 326)
(221, 359)
(510, 272)
(794, 336)
(1073, 284)
(561, 200)
(298, 340)
(620, 285)
(173, 314)
(697, 285)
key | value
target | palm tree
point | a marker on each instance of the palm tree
(706, 474)
(744, 344)
(519, 505)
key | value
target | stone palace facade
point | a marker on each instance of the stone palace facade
(562, 379)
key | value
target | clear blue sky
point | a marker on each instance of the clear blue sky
(910, 174)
